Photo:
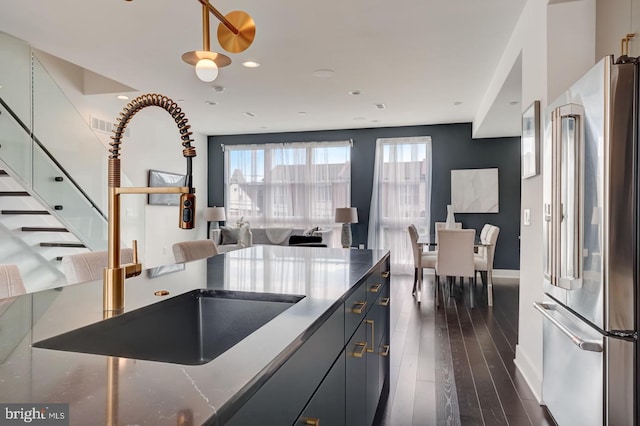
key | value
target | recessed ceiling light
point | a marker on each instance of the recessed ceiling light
(249, 114)
(218, 89)
(211, 102)
(122, 97)
(302, 112)
(375, 121)
(381, 106)
(250, 64)
(354, 92)
(457, 103)
(514, 103)
(324, 73)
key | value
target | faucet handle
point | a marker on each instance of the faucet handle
(134, 268)
(134, 246)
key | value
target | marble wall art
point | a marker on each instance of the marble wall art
(474, 190)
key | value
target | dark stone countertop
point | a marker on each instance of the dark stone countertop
(140, 392)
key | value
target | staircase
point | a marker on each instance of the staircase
(32, 237)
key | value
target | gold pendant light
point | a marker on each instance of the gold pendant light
(236, 33)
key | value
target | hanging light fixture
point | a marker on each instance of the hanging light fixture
(236, 32)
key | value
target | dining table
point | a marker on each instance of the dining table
(428, 241)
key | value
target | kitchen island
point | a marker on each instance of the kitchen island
(326, 355)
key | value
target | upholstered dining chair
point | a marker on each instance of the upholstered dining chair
(11, 283)
(83, 267)
(188, 251)
(455, 256)
(421, 260)
(483, 262)
(443, 225)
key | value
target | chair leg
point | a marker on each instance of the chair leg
(415, 281)
(435, 291)
(471, 295)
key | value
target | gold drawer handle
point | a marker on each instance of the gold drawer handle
(384, 301)
(385, 352)
(373, 337)
(358, 307)
(375, 288)
(311, 421)
(385, 274)
(361, 347)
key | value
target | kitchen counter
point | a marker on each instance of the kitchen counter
(100, 389)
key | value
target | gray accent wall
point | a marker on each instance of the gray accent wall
(453, 148)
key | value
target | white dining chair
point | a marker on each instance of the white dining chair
(11, 283)
(89, 266)
(484, 263)
(421, 261)
(188, 251)
(455, 256)
(443, 225)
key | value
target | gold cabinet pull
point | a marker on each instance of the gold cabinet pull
(385, 352)
(361, 347)
(385, 274)
(358, 307)
(373, 338)
(384, 301)
(375, 288)
(311, 421)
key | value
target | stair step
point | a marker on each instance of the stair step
(30, 212)
(64, 244)
(43, 229)
(14, 194)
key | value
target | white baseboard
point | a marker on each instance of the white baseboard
(530, 374)
(506, 273)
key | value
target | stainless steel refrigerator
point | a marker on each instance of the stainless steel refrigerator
(590, 240)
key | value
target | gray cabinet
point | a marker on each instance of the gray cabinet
(339, 376)
(356, 377)
(327, 406)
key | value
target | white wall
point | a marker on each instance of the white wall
(154, 144)
(556, 44)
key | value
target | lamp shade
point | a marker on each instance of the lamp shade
(215, 214)
(346, 215)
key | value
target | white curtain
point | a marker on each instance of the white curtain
(288, 185)
(401, 196)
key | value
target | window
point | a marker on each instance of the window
(401, 196)
(297, 184)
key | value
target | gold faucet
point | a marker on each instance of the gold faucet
(115, 274)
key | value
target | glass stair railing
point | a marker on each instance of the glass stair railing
(50, 151)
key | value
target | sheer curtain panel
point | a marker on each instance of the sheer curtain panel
(401, 196)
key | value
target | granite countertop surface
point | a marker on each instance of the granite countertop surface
(99, 388)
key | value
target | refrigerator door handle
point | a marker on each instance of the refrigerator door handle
(584, 344)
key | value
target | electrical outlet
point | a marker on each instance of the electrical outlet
(361, 246)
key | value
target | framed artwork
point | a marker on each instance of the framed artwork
(530, 141)
(475, 191)
(164, 179)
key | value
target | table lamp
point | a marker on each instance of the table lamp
(346, 216)
(216, 215)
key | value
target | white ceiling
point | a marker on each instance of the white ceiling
(417, 57)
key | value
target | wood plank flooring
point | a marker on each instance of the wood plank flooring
(454, 365)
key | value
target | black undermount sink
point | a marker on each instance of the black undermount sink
(192, 328)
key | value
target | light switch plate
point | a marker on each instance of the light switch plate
(526, 217)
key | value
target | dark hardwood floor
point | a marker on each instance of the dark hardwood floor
(454, 365)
